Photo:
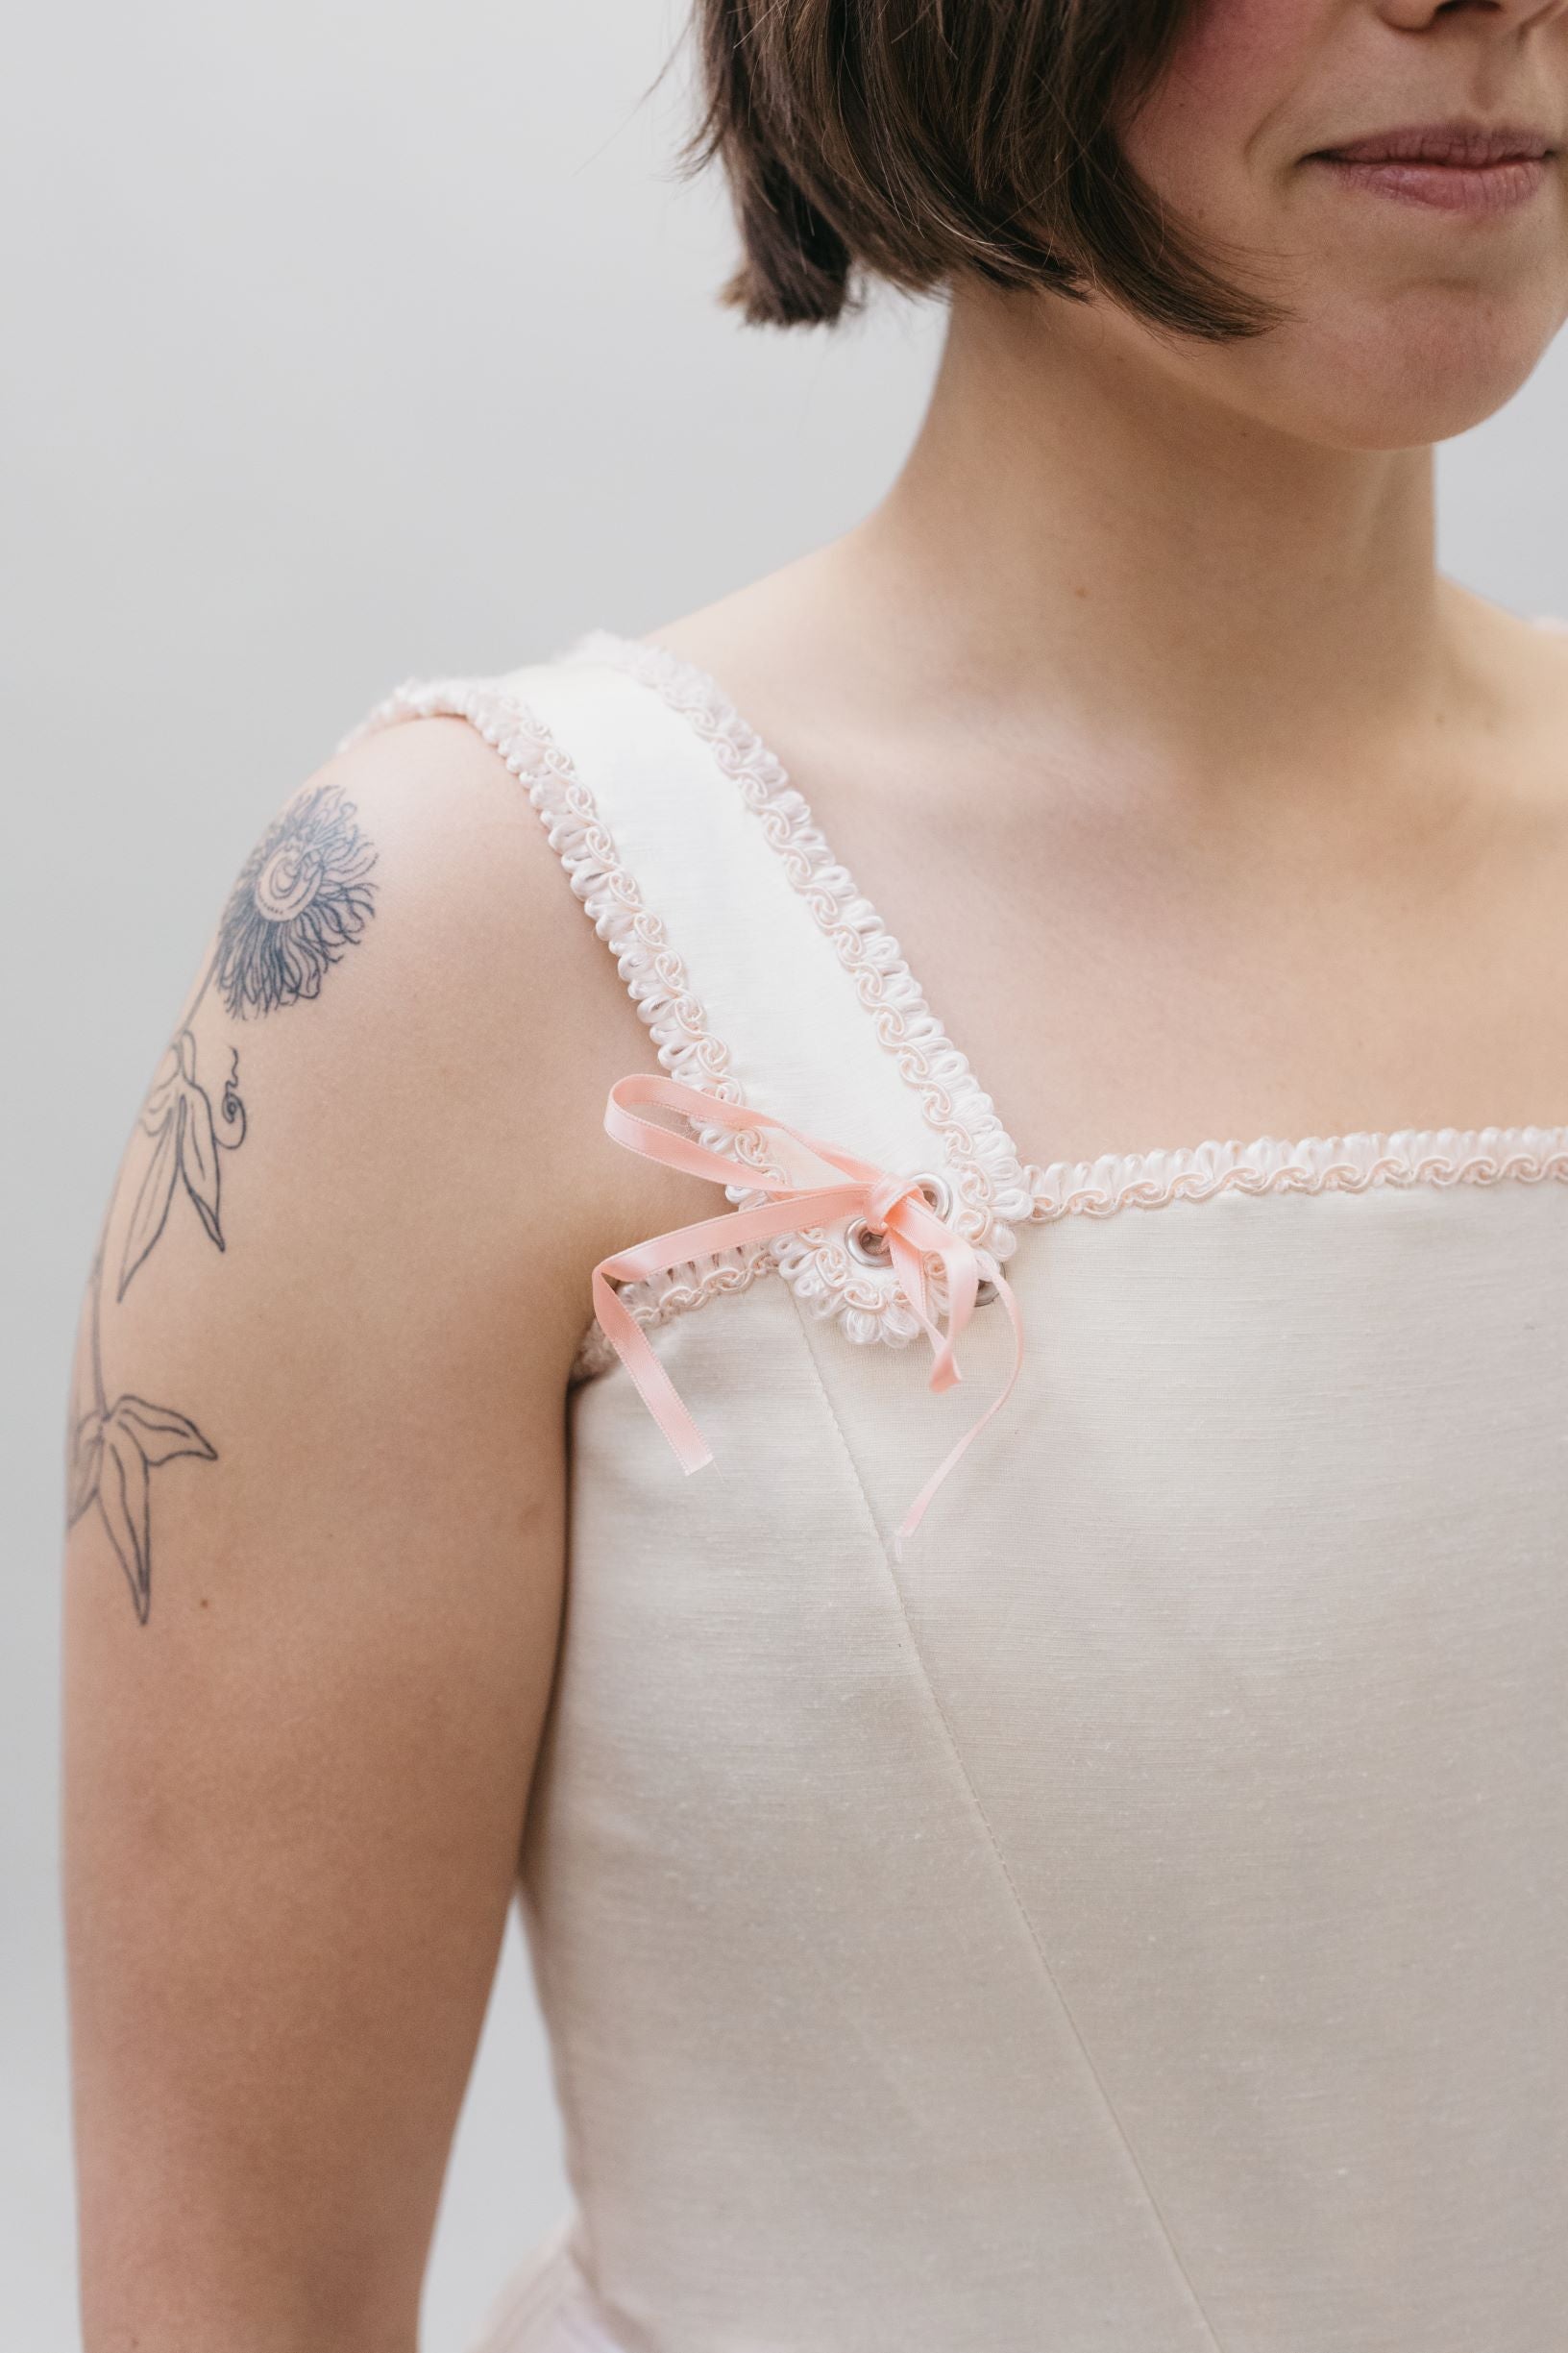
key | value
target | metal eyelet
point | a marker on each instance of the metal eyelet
(870, 1244)
(939, 1193)
(985, 1292)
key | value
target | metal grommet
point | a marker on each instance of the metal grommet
(870, 1244)
(939, 1193)
(985, 1292)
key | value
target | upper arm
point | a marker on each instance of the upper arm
(314, 1565)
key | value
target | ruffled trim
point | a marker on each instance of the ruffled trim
(648, 965)
(990, 1189)
(998, 1188)
(994, 1190)
(1316, 1163)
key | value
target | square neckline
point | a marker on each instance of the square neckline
(979, 1150)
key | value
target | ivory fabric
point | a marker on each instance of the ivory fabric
(1135, 1921)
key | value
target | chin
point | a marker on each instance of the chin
(1395, 374)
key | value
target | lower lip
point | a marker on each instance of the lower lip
(1446, 188)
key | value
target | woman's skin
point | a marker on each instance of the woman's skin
(1143, 674)
(1142, 677)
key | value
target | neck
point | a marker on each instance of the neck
(1077, 527)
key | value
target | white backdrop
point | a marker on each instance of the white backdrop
(348, 341)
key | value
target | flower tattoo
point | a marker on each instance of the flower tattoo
(300, 900)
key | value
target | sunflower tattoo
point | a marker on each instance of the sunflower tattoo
(301, 900)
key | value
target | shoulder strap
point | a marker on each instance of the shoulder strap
(777, 997)
(763, 978)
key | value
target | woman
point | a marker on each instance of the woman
(1073, 1857)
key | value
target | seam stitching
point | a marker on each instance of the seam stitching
(1018, 1905)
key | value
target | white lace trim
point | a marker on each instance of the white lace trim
(995, 1192)
(998, 1187)
(1316, 1163)
(648, 965)
(990, 1189)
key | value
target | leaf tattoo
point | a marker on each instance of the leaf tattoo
(112, 1456)
(187, 1139)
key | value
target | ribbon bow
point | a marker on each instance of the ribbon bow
(892, 1203)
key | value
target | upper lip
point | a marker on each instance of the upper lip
(1453, 142)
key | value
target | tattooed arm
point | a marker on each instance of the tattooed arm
(314, 1567)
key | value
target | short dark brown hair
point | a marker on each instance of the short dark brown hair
(915, 140)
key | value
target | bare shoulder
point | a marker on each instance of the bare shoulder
(504, 988)
(402, 953)
(374, 1132)
(480, 992)
(765, 641)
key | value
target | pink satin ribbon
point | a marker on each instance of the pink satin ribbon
(893, 1204)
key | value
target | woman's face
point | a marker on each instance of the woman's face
(1421, 294)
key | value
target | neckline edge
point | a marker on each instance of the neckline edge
(1365, 1154)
